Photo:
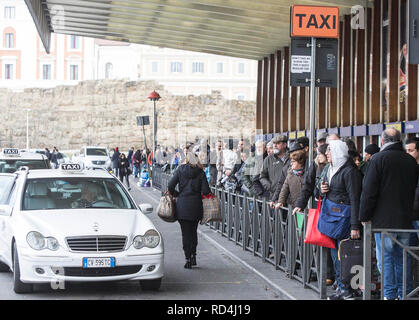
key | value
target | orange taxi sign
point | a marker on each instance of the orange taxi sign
(314, 21)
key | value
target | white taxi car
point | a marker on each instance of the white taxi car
(93, 157)
(75, 225)
(12, 159)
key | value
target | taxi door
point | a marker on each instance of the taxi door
(8, 189)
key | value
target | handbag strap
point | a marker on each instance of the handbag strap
(319, 203)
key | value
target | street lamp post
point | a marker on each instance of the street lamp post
(27, 129)
(154, 96)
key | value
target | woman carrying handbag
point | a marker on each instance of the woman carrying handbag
(190, 178)
(340, 187)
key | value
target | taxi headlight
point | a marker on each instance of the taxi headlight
(150, 239)
(38, 242)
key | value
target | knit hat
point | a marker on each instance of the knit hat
(372, 149)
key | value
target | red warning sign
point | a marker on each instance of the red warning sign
(314, 21)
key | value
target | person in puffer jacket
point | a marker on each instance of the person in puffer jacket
(189, 209)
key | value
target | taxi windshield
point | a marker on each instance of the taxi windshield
(11, 165)
(96, 152)
(75, 193)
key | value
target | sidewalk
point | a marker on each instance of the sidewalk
(288, 289)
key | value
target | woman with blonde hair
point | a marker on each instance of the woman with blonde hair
(192, 183)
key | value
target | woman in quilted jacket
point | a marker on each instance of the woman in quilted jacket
(192, 182)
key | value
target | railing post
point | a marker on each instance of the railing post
(230, 213)
(255, 229)
(238, 206)
(277, 235)
(367, 262)
(263, 227)
(245, 211)
(290, 245)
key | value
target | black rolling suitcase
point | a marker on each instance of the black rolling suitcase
(351, 260)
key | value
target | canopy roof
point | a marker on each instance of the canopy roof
(249, 29)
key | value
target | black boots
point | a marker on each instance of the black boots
(193, 259)
(188, 264)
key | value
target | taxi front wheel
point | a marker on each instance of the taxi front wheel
(19, 286)
(150, 285)
(4, 267)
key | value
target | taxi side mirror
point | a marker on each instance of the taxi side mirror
(6, 210)
(146, 208)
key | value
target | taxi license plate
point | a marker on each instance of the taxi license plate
(98, 262)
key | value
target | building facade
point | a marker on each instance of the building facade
(24, 62)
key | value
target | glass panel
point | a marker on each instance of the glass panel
(96, 152)
(6, 184)
(71, 193)
(10, 166)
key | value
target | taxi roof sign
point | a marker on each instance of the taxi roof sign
(11, 151)
(314, 21)
(71, 167)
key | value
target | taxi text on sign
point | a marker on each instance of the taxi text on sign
(314, 21)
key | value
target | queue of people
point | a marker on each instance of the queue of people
(381, 189)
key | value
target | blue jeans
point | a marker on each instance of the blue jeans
(136, 172)
(116, 171)
(416, 226)
(393, 264)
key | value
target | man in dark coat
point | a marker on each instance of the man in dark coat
(273, 165)
(387, 202)
(115, 162)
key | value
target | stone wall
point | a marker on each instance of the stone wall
(104, 113)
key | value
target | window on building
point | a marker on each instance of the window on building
(9, 40)
(74, 42)
(9, 12)
(241, 67)
(8, 71)
(74, 72)
(197, 67)
(155, 66)
(220, 67)
(46, 72)
(109, 71)
(176, 66)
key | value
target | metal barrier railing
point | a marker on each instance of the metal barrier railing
(412, 251)
(273, 235)
(157, 178)
(277, 237)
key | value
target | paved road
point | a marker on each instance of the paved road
(217, 276)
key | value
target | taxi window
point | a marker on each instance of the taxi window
(96, 152)
(11, 165)
(6, 184)
(75, 193)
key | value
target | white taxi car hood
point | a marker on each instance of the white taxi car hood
(83, 222)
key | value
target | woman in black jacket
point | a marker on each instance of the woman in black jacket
(341, 183)
(124, 169)
(192, 184)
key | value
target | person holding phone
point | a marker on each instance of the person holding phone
(341, 183)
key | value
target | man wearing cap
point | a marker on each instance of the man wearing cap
(370, 150)
(273, 164)
(321, 138)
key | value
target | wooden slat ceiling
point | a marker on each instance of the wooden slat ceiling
(250, 29)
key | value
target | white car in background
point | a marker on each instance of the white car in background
(75, 225)
(11, 159)
(93, 157)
